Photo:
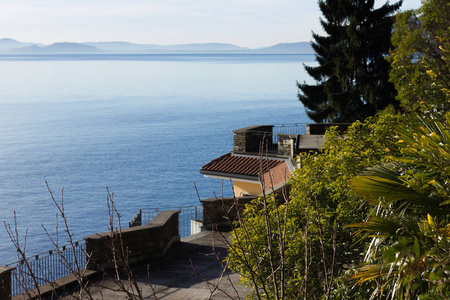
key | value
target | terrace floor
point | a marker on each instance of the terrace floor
(191, 270)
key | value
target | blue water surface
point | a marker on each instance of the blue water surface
(141, 125)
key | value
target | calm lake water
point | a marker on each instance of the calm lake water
(141, 125)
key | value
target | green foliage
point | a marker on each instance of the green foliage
(411, 228)
(300, 248)
(352, 79)
(297, 248)
(420, 58)
(409, 255)
(258, 249)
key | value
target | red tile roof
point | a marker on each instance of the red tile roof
(276, 177)
(239, 165)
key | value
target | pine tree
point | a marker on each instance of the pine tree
(352, 75)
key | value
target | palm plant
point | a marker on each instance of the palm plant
(409, 255)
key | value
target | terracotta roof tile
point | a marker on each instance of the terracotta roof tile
(240, 165)
(276, 176)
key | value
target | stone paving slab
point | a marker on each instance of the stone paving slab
(190, 270)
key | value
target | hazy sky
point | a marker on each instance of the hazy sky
(249, 23)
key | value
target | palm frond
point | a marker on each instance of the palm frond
(383, 182)
(370, 272)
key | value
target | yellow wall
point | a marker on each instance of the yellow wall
(241, 188)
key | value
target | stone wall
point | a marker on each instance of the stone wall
(144, 243)
(286, 144)
(220, 213)
(244, 138)
(5, 283)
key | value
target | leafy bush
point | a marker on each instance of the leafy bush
(297, 248)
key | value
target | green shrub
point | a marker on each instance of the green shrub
(299, 248)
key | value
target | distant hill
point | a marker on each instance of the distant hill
(24, 50)
(125, 47)
(288, 48)
(121, 47)
(57, 48)
(70, 48)
(206, 47)
(11, 46)
(6, 44)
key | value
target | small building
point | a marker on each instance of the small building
(263, 156)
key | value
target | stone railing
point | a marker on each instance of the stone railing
(187, 215)
(144, 243)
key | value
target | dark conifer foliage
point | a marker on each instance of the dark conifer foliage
(352, 75)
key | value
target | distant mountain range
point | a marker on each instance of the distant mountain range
(10, 46)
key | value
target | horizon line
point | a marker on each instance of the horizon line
(146, 44)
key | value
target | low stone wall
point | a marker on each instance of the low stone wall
(220, 213)
(5, 282)
(144, 243)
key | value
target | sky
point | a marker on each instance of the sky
(247, 23)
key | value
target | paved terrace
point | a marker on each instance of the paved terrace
(190, 270)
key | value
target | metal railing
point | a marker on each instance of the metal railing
(287, 129)
(46, 267)
(49, 266)
(257, 139)
(187, 214)
(269, 139)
